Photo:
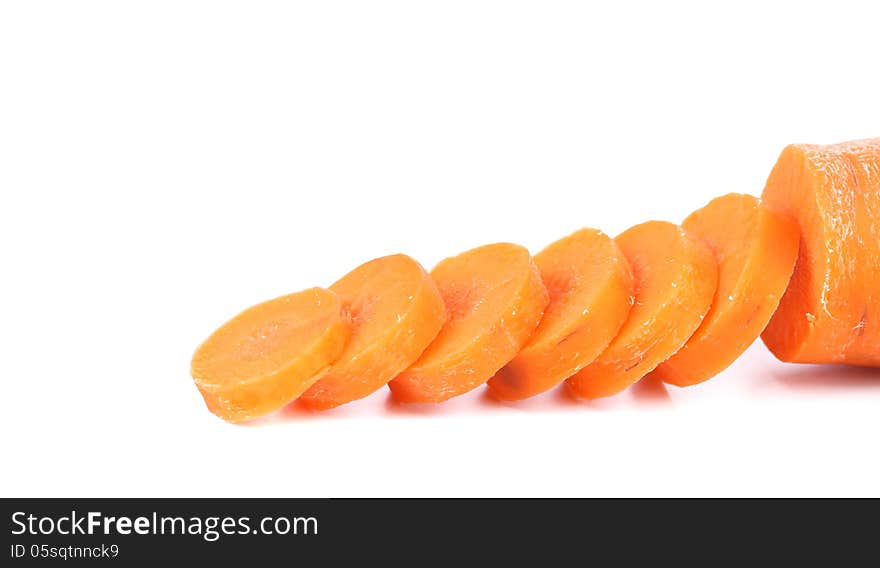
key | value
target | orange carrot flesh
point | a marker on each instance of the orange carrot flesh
(590, 286)
(494, 300)
(269, 354)
(675, 278)
(831, 310)
(799, 267)
(395, 311)
(756, 250)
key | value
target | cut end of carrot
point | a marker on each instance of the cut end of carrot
(395, 311)
(589, 284)
(829, 312)
(675, 279)
(269, 354)
(756, 250)
(494, 299)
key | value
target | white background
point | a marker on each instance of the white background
(165, 164)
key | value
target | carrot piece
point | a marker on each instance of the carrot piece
(269, 354)
(675, 279)
(590, 285)
(831, 310)
(755, 249)
(395, 311)
(495, 298)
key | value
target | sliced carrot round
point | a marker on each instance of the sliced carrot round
(675, 277)
(755, 249)
(590, 286)
(269, 354)
(395, 311)
(831, 309)
(494, 299)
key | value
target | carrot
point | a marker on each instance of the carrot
(269, 354)
(831, 310)
(494, 299)
(675, 279)
(678, 303)
(755, 249)
(395, 311)
(590, 285)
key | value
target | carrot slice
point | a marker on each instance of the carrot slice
(590, 285)
(831, 310)
(755, 249)
(269, 354)
(395, 311)
(675, 278)
(495, 298)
